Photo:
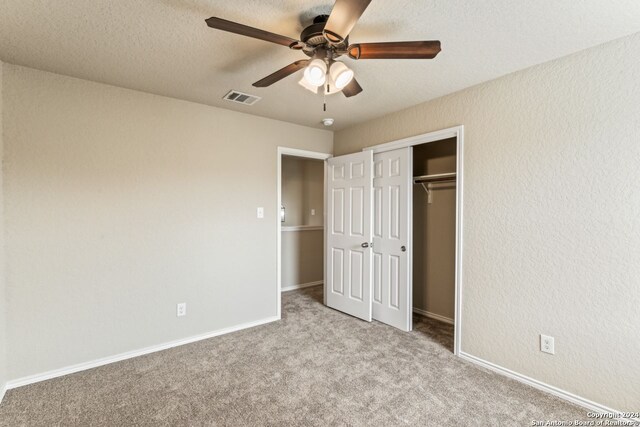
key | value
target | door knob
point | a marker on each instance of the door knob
(365, 245)
(403, 248)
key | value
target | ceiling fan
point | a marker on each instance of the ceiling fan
(326, 40)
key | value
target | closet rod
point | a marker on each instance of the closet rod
(439, 177)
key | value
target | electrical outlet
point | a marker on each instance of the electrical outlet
(181, 309)
(313, 212)
(260, 213)
(547, 344)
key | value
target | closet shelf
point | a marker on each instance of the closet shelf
(301, 227)
(439, 177)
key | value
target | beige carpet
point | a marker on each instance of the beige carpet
(315, 367)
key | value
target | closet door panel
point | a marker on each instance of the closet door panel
(349, 234)
(392, 302)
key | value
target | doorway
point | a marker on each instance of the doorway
(434, 229)
(301, 220)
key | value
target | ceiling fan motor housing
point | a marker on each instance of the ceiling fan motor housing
(313, 37)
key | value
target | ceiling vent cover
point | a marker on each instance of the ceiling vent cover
(241, 98)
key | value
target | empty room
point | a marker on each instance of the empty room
(319, 213)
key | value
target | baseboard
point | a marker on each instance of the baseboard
(3, 390)
(430, 315)
(131, 354)
(570, 397)
(301, 286)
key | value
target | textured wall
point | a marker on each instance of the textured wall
(552, 216)
(120, 204)
(3, 289)
(434, 231)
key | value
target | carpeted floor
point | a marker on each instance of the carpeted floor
(316, 367)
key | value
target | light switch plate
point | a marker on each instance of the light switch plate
(260, 212)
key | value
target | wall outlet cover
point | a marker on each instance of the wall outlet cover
(547, 344)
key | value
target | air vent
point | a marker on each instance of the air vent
(241, 98)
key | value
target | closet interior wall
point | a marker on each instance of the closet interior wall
(434, 230)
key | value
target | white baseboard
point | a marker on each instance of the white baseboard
(303, 285)
(580, 401)
(131, 354)
(433, 316)
(3, 390)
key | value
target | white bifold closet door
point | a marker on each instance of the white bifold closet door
(349, 234)
(392, 291)
(368, 236)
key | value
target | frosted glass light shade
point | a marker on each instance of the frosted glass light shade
(341, 74)
(303, 82)
(316, 72)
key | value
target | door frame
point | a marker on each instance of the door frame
(452, 132)
(286, 151)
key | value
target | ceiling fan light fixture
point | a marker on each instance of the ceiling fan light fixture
(341, 74)
(303, 82)
(325, 40)
(316, 72)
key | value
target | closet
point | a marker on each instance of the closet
(393, 231)
(434, 229)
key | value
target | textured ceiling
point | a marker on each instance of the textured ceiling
(164, 47)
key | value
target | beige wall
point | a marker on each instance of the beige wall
(3, 290)
(551, 216)
(302, 251)
(293, 190)
(302, 190)
(314, 192)
(434, 231)
(302, 257)
(120, 204)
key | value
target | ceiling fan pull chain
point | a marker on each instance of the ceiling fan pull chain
(324, 99)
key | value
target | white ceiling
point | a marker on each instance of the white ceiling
(164, 46)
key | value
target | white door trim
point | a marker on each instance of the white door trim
(438, 135)
(286, 151)
(458, 133)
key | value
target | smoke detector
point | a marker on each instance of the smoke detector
(327, 122)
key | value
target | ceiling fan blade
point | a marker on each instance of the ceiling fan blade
(244, 30)
(352, 89)
(282, 73)
(343, 18)
(395, 50)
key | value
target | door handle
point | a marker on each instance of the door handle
(367, 245)
(403, 248)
